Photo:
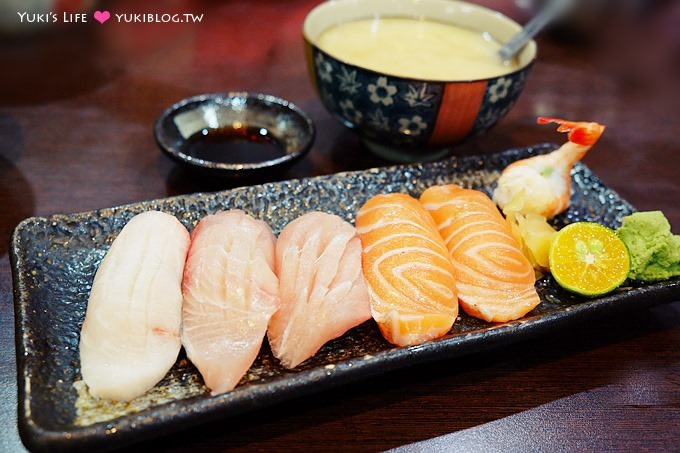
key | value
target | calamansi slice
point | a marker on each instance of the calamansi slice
(588, 259)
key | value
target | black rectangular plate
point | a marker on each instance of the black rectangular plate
(54, 260)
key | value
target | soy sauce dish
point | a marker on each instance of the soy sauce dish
(234, 134)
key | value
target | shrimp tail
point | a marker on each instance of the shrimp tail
(580, 132)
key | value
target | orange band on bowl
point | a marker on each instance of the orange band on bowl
(457, 112)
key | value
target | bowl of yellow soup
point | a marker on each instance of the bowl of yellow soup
(413, 77)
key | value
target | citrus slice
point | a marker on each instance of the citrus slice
(588, 259)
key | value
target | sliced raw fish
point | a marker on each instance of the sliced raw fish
(131, 334)
(408, 270)
(230, 292)
(321, 285)
(495, 280)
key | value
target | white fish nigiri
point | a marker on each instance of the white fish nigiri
(230, 292)
(321, 285)
(131, 334)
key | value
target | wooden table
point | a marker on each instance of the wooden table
(76, 112)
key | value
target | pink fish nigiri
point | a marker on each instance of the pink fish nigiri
(131, 334)
(230, 292)
(494, 280)
(322, 287)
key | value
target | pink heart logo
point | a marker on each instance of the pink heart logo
(102, 16)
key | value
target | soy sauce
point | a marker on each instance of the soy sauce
(234, 145)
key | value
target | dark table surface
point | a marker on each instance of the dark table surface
(76, 111)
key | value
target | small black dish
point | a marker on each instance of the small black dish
(234, 134)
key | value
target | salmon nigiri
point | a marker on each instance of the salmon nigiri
(542, 184)
(322, 288)
(408, 270)
(131, 334)
(230, 293)
(495, 281)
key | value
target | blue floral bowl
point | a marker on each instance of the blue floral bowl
(406, 119)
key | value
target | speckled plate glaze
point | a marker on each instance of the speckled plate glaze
(54, 260)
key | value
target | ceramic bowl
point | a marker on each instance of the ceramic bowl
(234, 134)
(410, 119)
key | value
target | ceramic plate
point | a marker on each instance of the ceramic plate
(54, 261)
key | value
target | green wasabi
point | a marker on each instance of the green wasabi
(654, 250)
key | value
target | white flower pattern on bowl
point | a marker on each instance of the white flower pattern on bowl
(500, 89)
(350, 112)
(500, 96)
(413, 126)
(381, 92)
(324, 68)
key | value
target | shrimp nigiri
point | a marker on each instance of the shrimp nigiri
(542, 184)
